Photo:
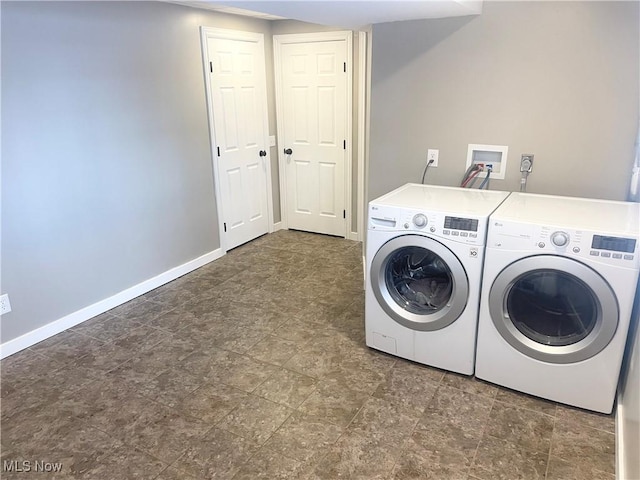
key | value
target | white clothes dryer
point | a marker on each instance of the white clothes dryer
(424, 253)
(559, 282)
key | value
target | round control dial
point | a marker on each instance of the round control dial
(420, 220)
(560, 239)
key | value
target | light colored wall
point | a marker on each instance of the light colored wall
(628, 415)
(106, 166)
(556, 79)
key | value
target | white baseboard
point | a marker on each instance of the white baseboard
(277, 226)
(620, 465)
(42, 333)
(626, 455)
(353, 236)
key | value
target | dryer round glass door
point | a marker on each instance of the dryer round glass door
(419, 282)
(553, 309)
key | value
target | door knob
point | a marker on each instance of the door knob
(263, 153)
(288, 151)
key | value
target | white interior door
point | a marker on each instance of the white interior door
(237, 93)
(313, 95)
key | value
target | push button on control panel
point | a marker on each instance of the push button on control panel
(617, 255)
(605, 254)
(594, 253)
(628, 257)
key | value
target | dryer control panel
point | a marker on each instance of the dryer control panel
(614, 250)
(462, 229)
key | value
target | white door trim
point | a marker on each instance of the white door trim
(220, 33)
(362, 135)
(278, 41)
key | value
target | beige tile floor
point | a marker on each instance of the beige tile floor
(255, 367)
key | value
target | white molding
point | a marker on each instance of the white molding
(278, 41)
(348, 178)
(354, 236)
(280, 130)
(622, 450)
(204, 31)
(277, 226)
(313, 37)
(620, 458)
(31, 338)
(258, 38)
(362, 137)
(367, 130)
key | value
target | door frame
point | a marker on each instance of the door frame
(278, 42)
(220, 33)
(363, 83)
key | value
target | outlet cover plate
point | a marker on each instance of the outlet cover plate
(433, 155)
(5, 305)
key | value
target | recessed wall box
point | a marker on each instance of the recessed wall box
(494, 156)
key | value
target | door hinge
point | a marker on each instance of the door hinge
(344, 144)
(344, 214)
(225, 226)
(218, 151)
(345, 67)
(211, 66)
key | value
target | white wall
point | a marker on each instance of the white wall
(628, 413)
(556, 79)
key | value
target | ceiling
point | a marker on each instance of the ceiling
(347, 14)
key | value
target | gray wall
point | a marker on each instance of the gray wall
(106, 167)
(556, 79)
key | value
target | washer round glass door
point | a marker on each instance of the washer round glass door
(419, 282)
(553, 309)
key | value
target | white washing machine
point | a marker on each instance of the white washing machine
(559, 281)
(425, 246)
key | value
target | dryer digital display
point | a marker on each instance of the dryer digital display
(459, 223)
(614, 244)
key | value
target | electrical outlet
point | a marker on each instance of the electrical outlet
(432, 155)
(5, 305)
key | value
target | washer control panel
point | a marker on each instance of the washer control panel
(618, 250)
(467, 230)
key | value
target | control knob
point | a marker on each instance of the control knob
(420, 220)
(560, 239)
